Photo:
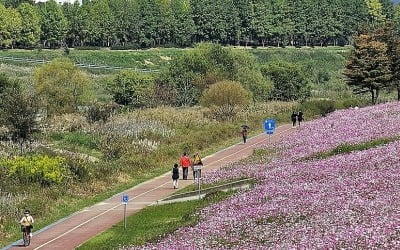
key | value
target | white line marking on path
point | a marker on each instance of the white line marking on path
(148, 191)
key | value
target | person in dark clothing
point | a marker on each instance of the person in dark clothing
(244, 134)
(300, 117)
(175, 175)
(294, 118)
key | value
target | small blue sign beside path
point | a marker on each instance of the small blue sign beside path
(269, 126)
(125, 199)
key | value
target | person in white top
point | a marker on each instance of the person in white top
(27, 222)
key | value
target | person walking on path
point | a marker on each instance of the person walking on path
(293, 117)
(300, 117)
(244, 134)
(196, 162)
(175, 175)
(185, 164)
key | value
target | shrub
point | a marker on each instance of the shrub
(114, 146)
(290, 83)
(100, 112)
(225, 99)
(37, 168)
(129, 87)
(318, 107)
(62, 86)
(80, 168)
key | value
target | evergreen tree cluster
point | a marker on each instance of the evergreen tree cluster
(151, 23)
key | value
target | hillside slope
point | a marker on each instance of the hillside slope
(349, 200)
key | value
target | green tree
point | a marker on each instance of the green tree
(183, 28)
(253, 81)
(132, 88)
(17, 109)
(53, 24)
(126, 21)
(395, 65)
(100, 23)
(246, 16)
(289, 81)
(10, 26)
(188, 76)
(225, 99)
(387, 9)
(375, 11)
(368, 68)
(62, 86)
(77, 30)
(396, 19)
(15, 3)
(355, 16)
(262, 21)
(216, 21)
(280, 22)
(30, 29)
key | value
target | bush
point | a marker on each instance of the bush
(225, 99)
(318, 107)
(62, 87)
(114, 146)
(290, 82)
(37, 168)
(80, 168)
(131, 88)
(100, 112)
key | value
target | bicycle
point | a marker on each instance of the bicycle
(26, 235)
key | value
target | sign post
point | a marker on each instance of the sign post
(197, 168)
(269, 126)
(125, 200)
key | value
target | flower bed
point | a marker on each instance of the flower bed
(348, 201)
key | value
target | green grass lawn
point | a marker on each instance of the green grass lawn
(151, 223)
(155, 59)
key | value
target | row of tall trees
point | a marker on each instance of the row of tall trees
(147, 23)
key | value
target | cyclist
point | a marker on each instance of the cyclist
(27, 222)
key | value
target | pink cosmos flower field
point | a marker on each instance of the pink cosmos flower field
(347, 201)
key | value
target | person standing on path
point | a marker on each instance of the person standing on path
(300, 117)
(293, 117)
(175, 175)
(196, 162)
(185, 164)
(244, 134)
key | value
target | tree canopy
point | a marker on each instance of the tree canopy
(148, 23)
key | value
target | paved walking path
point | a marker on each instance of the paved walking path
(74, 230)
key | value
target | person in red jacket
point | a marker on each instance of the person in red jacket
(185, 164)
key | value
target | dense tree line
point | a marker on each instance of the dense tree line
(149, 23)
